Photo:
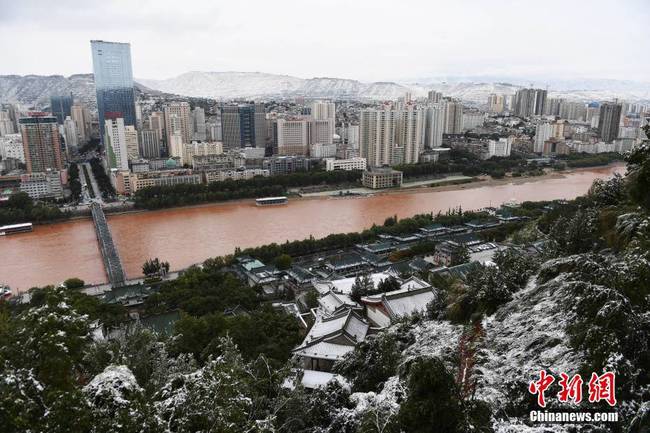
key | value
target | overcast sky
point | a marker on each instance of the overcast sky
(367, 40)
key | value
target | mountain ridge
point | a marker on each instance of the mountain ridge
(33, 91)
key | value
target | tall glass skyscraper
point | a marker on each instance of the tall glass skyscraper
(113, 81)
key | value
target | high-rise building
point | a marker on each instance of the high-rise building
(496, 103)
(115, 142)
(61, 107)
(389, 136)
(181, 111)
(81, 117)
(198, 124)
(609, 121)
(150, 144)
(6, 124)
(243, 126)
(41, 143)
(113, 82)
(321, 110)
(543, 131)
(323, 122)
(529, 102)
(553, 106)
(292, 136)
(70, 133)
(132, 146)
(434, 97)
(453, 117)
(434, 126)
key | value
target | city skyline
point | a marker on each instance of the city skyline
(419, 41)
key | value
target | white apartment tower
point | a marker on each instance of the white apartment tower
(389, 137)
(543, 132)
(115, 140)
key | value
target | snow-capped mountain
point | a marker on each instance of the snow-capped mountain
(34, 91)
(228, 85)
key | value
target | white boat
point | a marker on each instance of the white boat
(271, 201)
(16, 228)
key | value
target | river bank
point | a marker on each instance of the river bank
(452, 185)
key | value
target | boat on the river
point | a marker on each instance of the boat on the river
(16, 228)
(271, 201)
(5, 292)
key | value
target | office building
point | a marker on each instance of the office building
(286, 164)
(169, 177)
(150, 144)
(43, 185)
(243, 126)
(292, 136)
(116, 144)
(218, 161)
(609, 120)
(381, 177)
(351, 164)
(113, 82)
(41, 143)
(194, 149)
(234, 174)
(178, 121)
(61, 107)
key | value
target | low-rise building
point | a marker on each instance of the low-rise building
(163, 178)
(383, 177)
(46, 185)
(238, 174)
(332, 164)
(286, 164)
(228, 160)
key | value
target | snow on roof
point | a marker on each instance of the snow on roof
(332, 301)
(410, 304)
(315, 379)
(344, 285)
(318, 342)
(325, 350)
(325, 326)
